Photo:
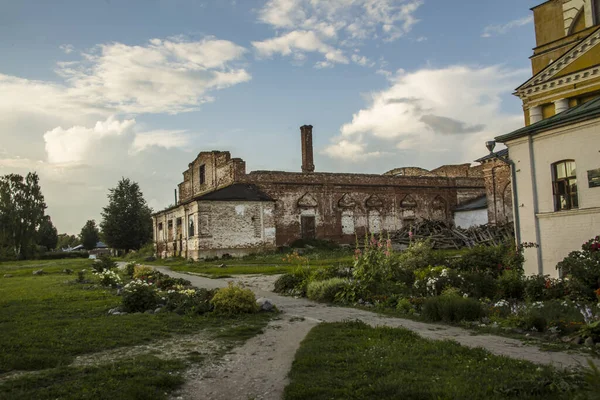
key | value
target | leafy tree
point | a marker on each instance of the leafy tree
(127, 220)
(65, 240)
(47, 234)
(89, 235)
(21, 213)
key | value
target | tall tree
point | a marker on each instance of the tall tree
(65, 240)
(47, 234)
(21, 212)
(127, 220)
(89, 235)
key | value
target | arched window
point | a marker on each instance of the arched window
(564, 185)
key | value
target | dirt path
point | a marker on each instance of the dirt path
(258, 369)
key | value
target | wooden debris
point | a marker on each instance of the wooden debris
(445, 236)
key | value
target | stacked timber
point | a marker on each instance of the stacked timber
(445, 236)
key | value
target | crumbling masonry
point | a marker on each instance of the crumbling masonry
(222, 209)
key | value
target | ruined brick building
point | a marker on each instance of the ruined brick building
(222, 209)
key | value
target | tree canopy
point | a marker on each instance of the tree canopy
(89, 235)
(65, 240)
(22, 209)
(127, 219)
(47, 234)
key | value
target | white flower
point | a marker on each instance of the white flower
(537, 304)
(465, 295)
(502, 303)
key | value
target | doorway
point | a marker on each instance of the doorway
(308, 227)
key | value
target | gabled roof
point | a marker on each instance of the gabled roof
(237, 191)
(498, 154)
(475, 204)
(582, 112)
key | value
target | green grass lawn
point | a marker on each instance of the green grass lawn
(48, 320)
(351, 360)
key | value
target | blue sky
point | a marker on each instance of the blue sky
(94, 90)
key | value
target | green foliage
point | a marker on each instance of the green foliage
(47, 235)
(419, 254)
(583, 267)
(482, 259)
(190, 301)
(90, 235)
(286, 283)
(511, 285)
(479, 285)
(66, 241)
(139, 296)
(234, 300)
(405, 306)
(22, 209)
(373, 270)
(104, 263)
(326, 290)
(59, 255)
(452, 309)
(126, 220)
(591, 330)
(351, 360)
(130, 269)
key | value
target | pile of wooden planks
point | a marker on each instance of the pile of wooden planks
(445, 236)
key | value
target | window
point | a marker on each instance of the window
(596, 9)
(202, 174)
(191, 231)
(161, 234)
(564, 185)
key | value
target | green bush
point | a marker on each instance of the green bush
(138, 296)
(189, 301)
(405, 306)
(104, 263)
(540, 288)
(234, 300)
(511, 285)
(130, 269)
(419, 254)
(583, 267)
(479, 285)
(326, 290)
(373, 269)
(286, 283)
(482, 259)
(452, 309)
(591, 330)
(59, 255)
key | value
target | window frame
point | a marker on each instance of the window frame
(191, 226)
(202, 174)
(565, 198)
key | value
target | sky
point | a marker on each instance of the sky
(95, 90)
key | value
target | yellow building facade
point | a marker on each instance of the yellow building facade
(566, 60)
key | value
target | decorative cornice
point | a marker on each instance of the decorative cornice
(568, 58)
(563, 81)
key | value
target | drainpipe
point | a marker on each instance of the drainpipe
(535, 205)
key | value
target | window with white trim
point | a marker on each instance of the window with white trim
(564, 185)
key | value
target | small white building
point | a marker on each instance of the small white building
(472, 213)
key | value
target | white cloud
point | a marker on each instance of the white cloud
(333, 23)
(67, 48)
(77, 144)
(167, 139)
(297, 43)
(349, 150)
(362, 61)
(451, 109)
(495, 30)
(164, 76)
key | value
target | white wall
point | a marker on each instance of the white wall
(467, 219)
(557, 233)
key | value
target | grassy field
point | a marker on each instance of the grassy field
(48, 320)
(267, 264)
(351, 360)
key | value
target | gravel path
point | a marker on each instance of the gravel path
(258, 369)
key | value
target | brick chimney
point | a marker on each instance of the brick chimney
(308, 164)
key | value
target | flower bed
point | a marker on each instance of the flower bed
(485, 286)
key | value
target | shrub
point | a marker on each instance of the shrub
(482, 259)
(591, 330)
(327, 272)
(58, 255)
(373, 268)
(511, 285)
(104, 263)
(189, 301)
(139, 296)
(539, 288)
(234, 300)
(405, 306)
(130, 269)
(419, 255)
(108, 278)
(584, 268)
(326, 290)
(431, 281)
(452, 309)
(141, 271)
(287, 282)
(165, 282)
(479, 285)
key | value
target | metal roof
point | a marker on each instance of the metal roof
(500, 153)
(582, 112)
(476, 204)
(237, 191)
